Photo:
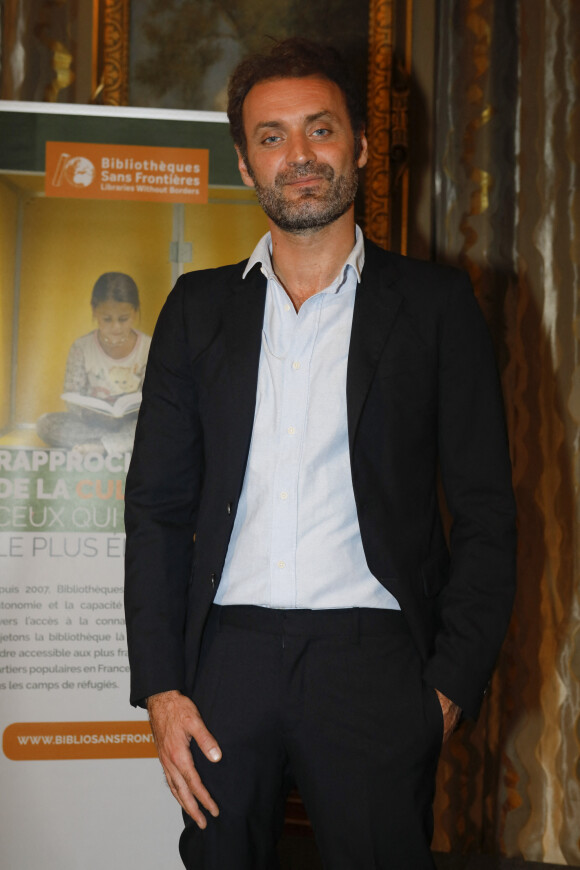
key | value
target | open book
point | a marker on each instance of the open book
(117, 406)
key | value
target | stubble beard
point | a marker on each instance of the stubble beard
(312, 209)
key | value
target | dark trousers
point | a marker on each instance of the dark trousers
(334, 702)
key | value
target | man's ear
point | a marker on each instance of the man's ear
(246, 177)
(363, 154)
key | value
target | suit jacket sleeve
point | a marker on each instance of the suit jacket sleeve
(475, 605)
(161, 500)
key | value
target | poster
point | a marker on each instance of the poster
(82, 788)
(69, 738)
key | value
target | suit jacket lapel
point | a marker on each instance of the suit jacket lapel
(376, 306)
(243, 317)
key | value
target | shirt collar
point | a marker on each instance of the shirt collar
(262, 254)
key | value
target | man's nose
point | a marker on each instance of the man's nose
(300, 150)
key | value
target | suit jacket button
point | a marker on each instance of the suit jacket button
(213, 579)
(229, 507)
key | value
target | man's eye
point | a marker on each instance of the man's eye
(270, 139)
(321, 131)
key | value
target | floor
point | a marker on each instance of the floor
(299, 853)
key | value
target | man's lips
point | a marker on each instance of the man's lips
(309, 181)
(305, 177)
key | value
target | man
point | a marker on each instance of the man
(293, 613)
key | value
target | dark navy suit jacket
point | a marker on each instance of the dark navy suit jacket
(424, 404)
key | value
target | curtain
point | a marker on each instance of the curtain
(507, 209)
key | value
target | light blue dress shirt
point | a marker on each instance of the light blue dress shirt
(296, 539)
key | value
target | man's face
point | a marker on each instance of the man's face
(300, 152)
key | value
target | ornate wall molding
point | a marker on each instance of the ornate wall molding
(112, 69)
(380, 78)
(388, 91)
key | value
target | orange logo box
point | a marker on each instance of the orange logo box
(52, 741)
(83, 170)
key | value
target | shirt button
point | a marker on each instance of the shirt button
(295, 365)
(281, 564)
(286, 307)
(283, 496)
(291, 430)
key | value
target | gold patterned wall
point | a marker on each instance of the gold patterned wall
(378, 183)
(508, 210)
(111, 85)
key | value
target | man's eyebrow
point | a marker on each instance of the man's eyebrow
(274, 124)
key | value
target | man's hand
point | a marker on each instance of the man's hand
(451, 715)
(174, 721)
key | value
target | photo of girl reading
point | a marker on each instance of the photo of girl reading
(104, 375)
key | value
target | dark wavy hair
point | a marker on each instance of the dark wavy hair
(115, 287)
(292, 58)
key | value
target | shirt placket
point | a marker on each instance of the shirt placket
(291, 430)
